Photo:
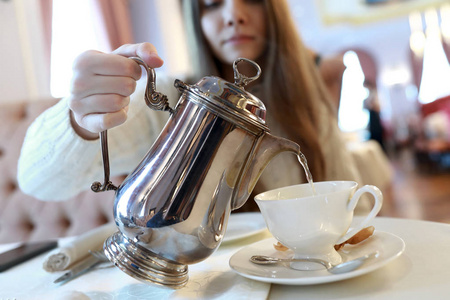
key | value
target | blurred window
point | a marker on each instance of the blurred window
(436, 71)
(72, 34)
(352, 116)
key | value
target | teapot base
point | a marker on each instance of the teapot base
(144, 265)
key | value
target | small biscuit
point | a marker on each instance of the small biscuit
(362, 235)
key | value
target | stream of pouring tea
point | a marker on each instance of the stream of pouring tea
(302, 159)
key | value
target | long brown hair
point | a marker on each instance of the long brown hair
(291, 84)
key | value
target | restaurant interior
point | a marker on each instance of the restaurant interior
(401, 46)
(395, 53)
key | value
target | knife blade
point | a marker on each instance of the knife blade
(80, 268)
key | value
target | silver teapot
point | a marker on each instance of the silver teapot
(173, 209)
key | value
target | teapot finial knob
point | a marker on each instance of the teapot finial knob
(242, 80)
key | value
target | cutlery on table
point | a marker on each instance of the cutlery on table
(344, 267)
(92, 261)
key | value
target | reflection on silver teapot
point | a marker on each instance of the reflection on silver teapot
(173, 209)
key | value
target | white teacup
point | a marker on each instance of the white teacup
(310, 225)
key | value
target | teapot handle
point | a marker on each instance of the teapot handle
(154, 100)
(107, 185)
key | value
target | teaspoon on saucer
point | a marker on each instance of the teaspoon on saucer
(344, 267)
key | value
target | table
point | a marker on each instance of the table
(421, 272)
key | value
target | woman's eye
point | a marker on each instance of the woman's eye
(211, 4)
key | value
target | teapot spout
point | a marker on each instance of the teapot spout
(268, 147)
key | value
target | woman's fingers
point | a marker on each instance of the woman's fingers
(146, 51)
(103, 82)
(101, 122)
(83, 86)
(101, 103)
(91, 63)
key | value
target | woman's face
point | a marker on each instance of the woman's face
(234, 28)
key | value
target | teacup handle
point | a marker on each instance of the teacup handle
(375, 210)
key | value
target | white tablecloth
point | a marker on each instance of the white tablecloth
(210, 279)
(421, 272)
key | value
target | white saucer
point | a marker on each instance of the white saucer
(241, 225)
(387, 244)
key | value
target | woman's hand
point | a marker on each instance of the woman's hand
(102, 84)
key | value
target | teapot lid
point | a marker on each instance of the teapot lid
(230, 98)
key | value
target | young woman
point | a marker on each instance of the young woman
(298, 106)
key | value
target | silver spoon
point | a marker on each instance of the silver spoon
(335, 269)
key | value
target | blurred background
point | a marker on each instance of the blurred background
(396, 52)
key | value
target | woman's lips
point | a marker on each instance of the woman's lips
(238, 39)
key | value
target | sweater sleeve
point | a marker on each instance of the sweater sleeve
(56, 164)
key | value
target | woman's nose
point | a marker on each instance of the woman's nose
(234, 13)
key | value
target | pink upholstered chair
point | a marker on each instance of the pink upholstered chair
(24, 218)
